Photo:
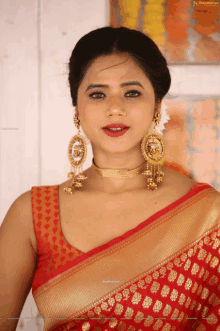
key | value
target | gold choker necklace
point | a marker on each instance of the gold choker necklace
(121, 173)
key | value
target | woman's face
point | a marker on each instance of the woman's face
(132, 105)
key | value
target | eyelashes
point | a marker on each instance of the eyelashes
(98, 93)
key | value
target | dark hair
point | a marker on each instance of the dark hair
(109, 40)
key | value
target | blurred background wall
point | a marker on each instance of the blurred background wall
(188, 34)
(36, 116)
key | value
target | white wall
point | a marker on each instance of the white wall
(36, 118)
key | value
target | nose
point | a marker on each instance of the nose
(116, 107)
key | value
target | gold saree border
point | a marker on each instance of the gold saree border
(84, 286)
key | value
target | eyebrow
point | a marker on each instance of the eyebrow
(122, 85)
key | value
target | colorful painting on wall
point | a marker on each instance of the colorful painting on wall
(184, 30)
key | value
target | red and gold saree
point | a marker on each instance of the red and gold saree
(162, 275)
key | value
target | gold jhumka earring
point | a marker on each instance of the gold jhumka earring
(152, 147)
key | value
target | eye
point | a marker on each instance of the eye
(98, 93)
(95, 93)
(134, 91)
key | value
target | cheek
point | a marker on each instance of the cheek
(142, 116)
(89, 119)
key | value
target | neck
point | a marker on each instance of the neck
(117, 181)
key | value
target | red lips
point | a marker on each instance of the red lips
(116, 125)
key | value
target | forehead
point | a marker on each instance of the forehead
(114, 67)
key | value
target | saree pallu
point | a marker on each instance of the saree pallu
(162, 275)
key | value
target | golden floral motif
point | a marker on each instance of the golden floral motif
(212, 319)
(170, 266)
(180, 280)
(200, 244)
(133, 288)
(118, 309)
(126, 294)
(205, 311)
(121, 326)
(175, 313)
(193, 305)
(183, 257)
(174, 295)
(85, 326)
(195, 286)
(136, 298)
(111, 301)
(118, 297)
(202, 254)
(157, 325)
(113, 323)
(213, 235)
(198, 307)
(104, 306)
(214, 262)
(177, 262)
(155, 287)
(188, 284)
(182, 299)
(195, 269)
(156, 275)
(148, 321)
(139, 317)
(214, 300)
(190, 252)
(147, 302)
(165, 291)
(199, 290)
(157, 306)
(208, 258)
(206, 275)
(204, 294)
(129, 312)
(188, 301)
(148, 279)
(201, 272)
(216, 243)
(163, 271)
(207, 240)
(97, 310)
(172, 276)
(181, 316)
(141, 284)
(195, 249)
(187, 264)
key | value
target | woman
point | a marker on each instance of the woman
(124, 251)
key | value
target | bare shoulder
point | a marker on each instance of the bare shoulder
(178, 183)
(24, 206)
(23, 203)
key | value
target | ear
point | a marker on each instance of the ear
(76, 111)
(158, 107)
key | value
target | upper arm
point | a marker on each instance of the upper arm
(18, 260)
